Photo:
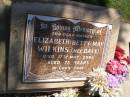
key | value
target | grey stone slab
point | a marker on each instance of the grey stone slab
(4, 35)
(61, 9)
(124, 42)
(2, 68)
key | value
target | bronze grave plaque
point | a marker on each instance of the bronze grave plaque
(62, 49)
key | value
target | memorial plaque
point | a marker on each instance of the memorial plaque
(63, 49)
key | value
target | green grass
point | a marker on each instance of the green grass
(123, 6)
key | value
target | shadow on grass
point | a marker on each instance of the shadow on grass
(95, 2)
